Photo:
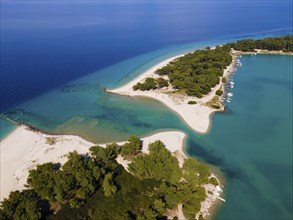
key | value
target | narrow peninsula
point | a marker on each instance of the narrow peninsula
(66, 177)
(193, 84)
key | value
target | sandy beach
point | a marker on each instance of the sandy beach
(196, 116)
(23, 149)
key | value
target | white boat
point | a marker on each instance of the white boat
(230, 94)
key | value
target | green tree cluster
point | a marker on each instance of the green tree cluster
(158, 164)
(161, 82)
(104, 156)
(213, 181)
(196, 73)
(219, 92)
(151, 83)
(191, 102)
(132, 147)
(179, 185)
(195, 172)
(95, 186)
(271, 43)
(108, 185)
(134, 199)
(21, 206)
(72, 184)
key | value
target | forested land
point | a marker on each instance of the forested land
(195, 74)
(95, 186)
(272, 44)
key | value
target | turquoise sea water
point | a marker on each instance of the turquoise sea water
(82, 106)
(251, 143)
(5, 128)
(46, 44)
(50, 49)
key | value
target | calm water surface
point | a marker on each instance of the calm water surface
(59, 56)
(252, 141)
(46, 44)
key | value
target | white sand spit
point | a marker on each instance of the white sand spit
(196, 116)
(23, 149)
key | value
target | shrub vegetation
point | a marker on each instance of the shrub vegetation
(151, 83)
(271, 43)
(219, 92)
(195, 74)
(95, 186)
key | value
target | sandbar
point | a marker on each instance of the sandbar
(196, 116)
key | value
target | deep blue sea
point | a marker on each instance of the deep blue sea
(45, 44)
(58, 56)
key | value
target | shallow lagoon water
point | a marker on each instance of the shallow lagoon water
(252, 141)
(82, 107)
(45, 63)
(5, 128)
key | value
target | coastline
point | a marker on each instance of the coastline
(25, 147)
(17, 159)
(6, 128)
(215, 206)
(197, 116)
